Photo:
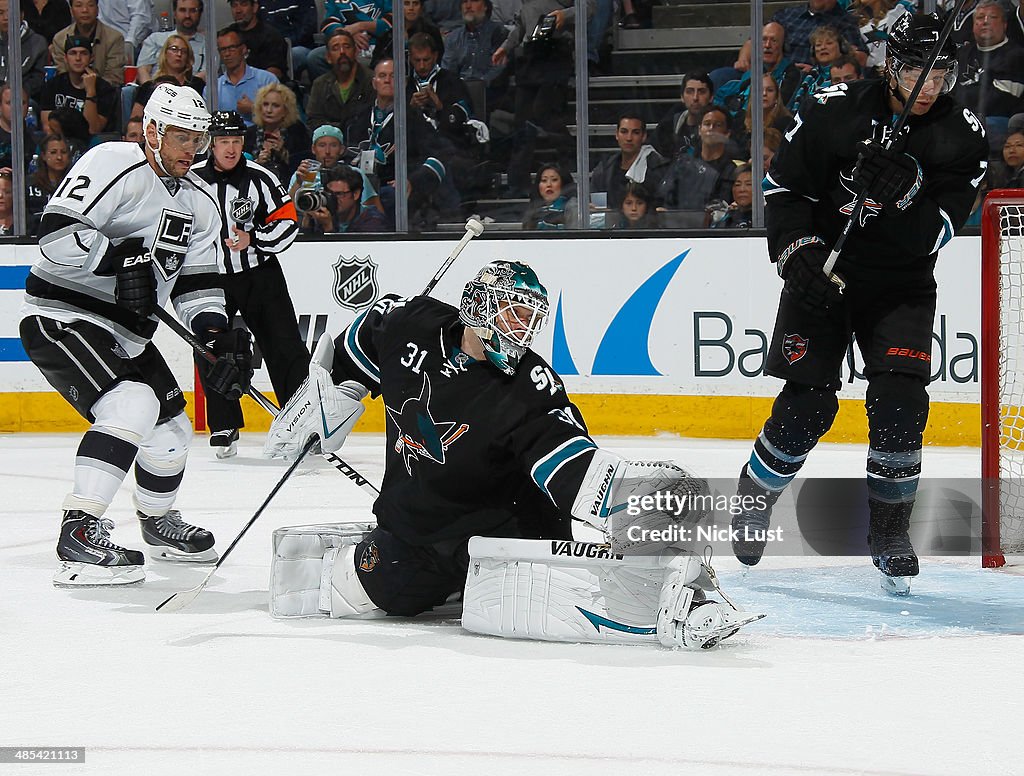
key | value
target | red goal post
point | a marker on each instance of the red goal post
(1002, 375)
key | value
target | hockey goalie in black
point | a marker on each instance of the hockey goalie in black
(919, 191)
(481, 441)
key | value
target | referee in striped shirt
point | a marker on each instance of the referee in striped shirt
(259, 222)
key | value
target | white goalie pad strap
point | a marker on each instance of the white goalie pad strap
(319, 408)
(643, 507)
(297, 565)
(555, 590)
(341, 592)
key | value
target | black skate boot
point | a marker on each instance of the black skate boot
(750, 526)
(175, 540)
(890, 547)
(224, 443)
(88, 558)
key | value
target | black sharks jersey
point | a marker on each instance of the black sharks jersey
(808, 188)
(463, 439)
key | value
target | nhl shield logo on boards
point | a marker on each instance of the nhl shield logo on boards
(355, 282)
(242, 210)
(794, 347)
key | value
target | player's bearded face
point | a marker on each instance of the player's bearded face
(179, 148)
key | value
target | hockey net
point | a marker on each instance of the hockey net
(1002, 376)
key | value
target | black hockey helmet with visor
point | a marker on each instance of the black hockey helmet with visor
(226, 123)
(911, 41)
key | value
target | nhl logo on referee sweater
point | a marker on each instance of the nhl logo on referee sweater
(794, 347)
(242, 211)
(355, 282)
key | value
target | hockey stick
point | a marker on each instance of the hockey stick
(262, 400)
(179, 601)
(474, 228)
(901, 122)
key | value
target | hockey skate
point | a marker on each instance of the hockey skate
(89, 559)
(173, 539)
(750, 529)
(224, 443)
(890, 547)
(688, 618)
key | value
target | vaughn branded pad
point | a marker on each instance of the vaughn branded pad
(556, 590)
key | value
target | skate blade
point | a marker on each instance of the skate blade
(72, 574)
(226, 452)
(171, 555)
(897, 586)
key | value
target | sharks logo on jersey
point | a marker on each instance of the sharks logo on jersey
(870, 208)
(172, 235)
(419, 435)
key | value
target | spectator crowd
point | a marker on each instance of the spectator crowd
(488, 123)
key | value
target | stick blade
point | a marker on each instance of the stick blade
(179, 601)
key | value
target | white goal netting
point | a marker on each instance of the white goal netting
(1011, 377)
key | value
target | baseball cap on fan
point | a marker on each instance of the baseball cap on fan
(77, 41)
(1016, 123)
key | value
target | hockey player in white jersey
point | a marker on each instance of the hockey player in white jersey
(130, 228)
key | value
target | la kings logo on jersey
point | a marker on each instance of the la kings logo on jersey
(173, 232)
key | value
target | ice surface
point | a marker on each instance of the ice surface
(838, 679)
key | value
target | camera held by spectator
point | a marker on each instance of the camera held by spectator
(310, 194)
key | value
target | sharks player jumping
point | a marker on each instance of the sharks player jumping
(919, 193)
(482, 441)
(129, 228)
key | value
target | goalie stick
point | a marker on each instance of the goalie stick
(179, 601)
(901, 122)
(474, 228)
(262, 400)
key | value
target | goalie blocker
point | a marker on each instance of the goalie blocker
(550, 590)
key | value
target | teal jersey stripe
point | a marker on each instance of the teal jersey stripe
(547, 466)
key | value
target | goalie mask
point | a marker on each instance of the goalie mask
(909, 45)
(505, 305)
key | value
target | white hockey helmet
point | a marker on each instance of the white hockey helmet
(177, 106)
(506, 305)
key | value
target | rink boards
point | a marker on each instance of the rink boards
(651, 335)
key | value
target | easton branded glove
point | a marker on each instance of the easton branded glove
(231, 374)
(800, 265)
(891, 178)
(134, 281)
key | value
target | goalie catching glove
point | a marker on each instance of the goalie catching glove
(642, 507)
(319, 408)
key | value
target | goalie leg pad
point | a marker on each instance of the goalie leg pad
(341, 592)
(297, 565)
(555, 590)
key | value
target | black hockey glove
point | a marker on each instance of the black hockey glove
(231, 374)
(891, 178)
(135, 283)
(800, 265)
